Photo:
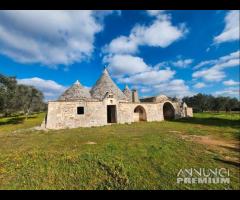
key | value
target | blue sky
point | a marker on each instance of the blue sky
(176, 53)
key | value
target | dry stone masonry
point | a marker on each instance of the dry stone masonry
(105, 104)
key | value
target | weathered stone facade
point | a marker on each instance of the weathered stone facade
(107, 104)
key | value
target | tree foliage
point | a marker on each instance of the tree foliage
(202, 102)
(18, 98)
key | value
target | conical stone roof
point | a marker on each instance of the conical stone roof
(127, 93)
(105, 84)
(76, 92)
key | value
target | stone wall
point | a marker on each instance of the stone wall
(126, 112)
(63, 114)
(189, 112)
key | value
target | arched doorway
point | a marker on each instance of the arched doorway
(168, 111)
(140, 114)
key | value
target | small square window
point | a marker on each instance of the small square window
(80, 110)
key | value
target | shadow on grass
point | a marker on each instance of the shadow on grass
(229, 162)
(15, 120)
(235, 149)
(211, 121)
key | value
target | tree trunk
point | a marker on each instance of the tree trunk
(28, 111)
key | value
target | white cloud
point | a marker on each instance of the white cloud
(155, 13)
(204, 63)
(179, 63)
(160, 33)
(49, 37)
(145, 89)
(150, 77)
(173, 88)
(226, 64)
(199, 85)
(231, 29)
(231, 91)
(147, 79)
(232, 56)
(132, 70)
(50, 89)
(231, 82)
(121, 44)
(210, 74)
(120, 65)
(101, 14)
(183, 63)
(216, 70)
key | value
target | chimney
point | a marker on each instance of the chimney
(135, 96)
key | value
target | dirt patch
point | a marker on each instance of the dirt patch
(233, 159)
(174, 131)
(211, 141)
(90, 142)
(222, 146)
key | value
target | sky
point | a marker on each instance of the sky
(174, 53)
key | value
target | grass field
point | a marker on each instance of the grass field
(146, 155)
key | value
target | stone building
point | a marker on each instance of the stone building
(105, 104)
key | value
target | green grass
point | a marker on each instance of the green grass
(137, 156)
(9, 124)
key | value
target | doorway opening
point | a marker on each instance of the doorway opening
(168, 111)
(111, 114)
(140, 114)
(185, 109)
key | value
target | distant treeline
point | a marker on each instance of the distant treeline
(202, 102)
(19, 99)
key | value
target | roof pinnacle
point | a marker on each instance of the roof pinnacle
(126, 87)
(105, 71)
(77, 83)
